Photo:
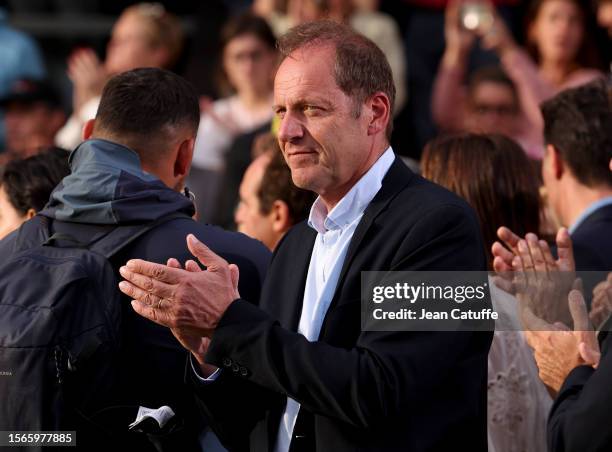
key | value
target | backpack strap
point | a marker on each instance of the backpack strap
(114, 241)
(104, 240)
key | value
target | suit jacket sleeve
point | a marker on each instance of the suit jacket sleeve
(580, 416)
(386, 373)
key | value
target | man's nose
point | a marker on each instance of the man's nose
(290, 128)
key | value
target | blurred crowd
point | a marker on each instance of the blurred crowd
(477, 110)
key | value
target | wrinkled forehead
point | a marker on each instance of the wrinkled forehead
(306, 72)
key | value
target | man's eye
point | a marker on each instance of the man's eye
(311, 109)
(280, 113)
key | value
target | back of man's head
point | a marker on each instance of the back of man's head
(578, 123)
(149, 110)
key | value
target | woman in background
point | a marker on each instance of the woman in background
(145, 35)
(249, 63)
(493, 174)
(25, 186)
(559, 55)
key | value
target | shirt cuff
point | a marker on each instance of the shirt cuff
(196, 370)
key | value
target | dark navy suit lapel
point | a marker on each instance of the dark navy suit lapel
(395, 180)
(288, 311)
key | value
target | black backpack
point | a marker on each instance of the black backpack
(60, 326)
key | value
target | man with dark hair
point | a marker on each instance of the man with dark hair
(578, 136)
(131, 171)
(297, 373)
(270, 203)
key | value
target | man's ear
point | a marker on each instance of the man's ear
(380, 113)
(184, 155)
(30, 214)
(556, 161)
(281, 218)
(88, 129)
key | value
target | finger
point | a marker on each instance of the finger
(520, 278)
(151, 313)
(578, 310)
(561, 326)
(500, 251)
(577, 285)
(502, 268)
(526, 259)
(547, 253)
(235, 274)
(504, 284)
(192, 266)
(596, 316)
(156, 271)
(452, 12)
(588, 354)
(565, 251)
(534, 323)
(136, 293)
(509, 238)
(536, 253)
(174, 263)
(148, 284)
(600, 288)
(204, 254)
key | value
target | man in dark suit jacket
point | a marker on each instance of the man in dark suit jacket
(297, 373)
(578, 177)
(578, 136)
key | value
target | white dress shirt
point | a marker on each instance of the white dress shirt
(334, 232)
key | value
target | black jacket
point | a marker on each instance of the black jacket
(368, 391)
(592, 241)
(580, 416)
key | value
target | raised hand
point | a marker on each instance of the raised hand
(601, 304)
(541, 282)
(87, 74)
(191, 302)
(459, 41)
(557, 349)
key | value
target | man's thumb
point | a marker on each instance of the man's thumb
(235, 274)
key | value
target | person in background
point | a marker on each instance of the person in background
(488, 104)
(492, 173)
(604, 15)
(145, 35)
(559, 55)
(270, 203)
(363, 18)
(131, 170)
(33, 115)
(21, 58)
(578, 140)
(25, 186)
(249, 62)
(577, 365)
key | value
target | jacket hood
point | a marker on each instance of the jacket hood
(108, 186)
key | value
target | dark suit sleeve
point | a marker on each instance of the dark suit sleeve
(386, 373)
(580, 417)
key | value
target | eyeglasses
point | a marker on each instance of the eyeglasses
(499, 110)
